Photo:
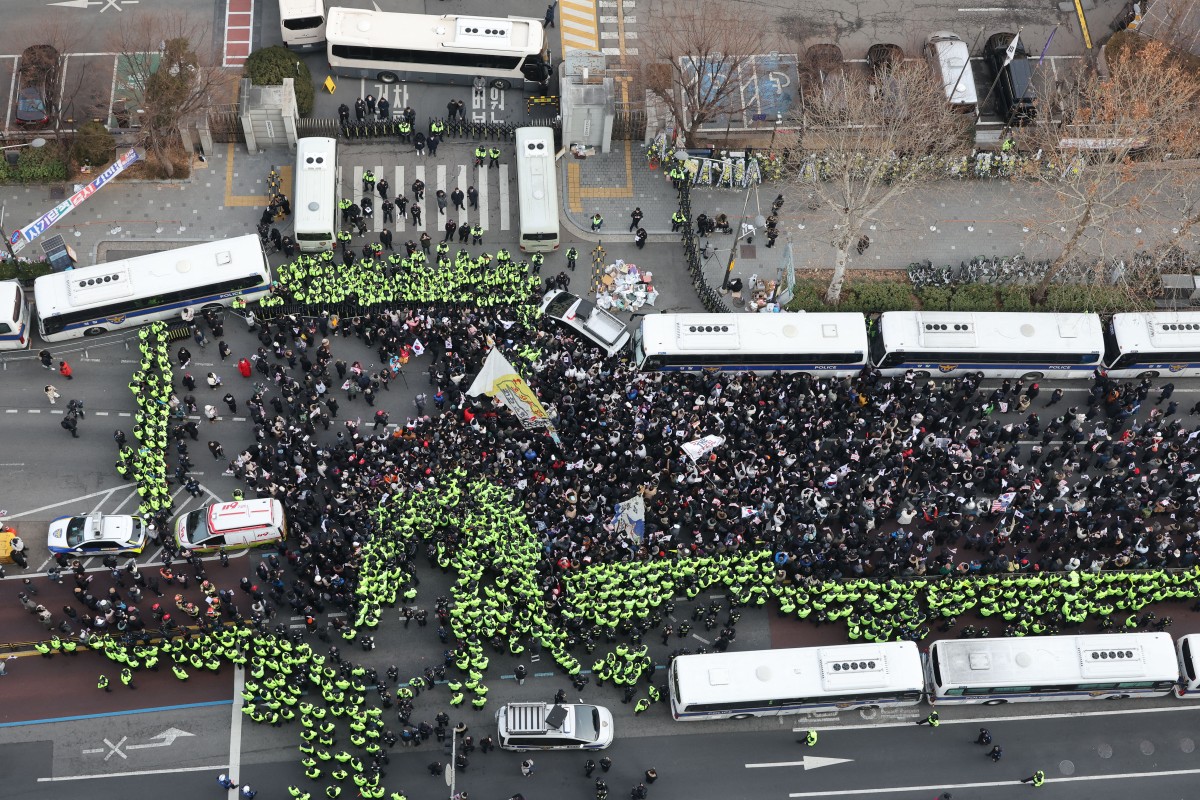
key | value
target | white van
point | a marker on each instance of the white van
(1187, 649)
(951, 61)
(302, 23)
(547, 726)
(14, 317)
(233, 526)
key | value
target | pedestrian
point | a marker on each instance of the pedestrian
(519, 672)
(589, 767)
(810, 738)
(419, 143)
(932, 720)
(635, 219)
(382, 186)
(442, 201)
(248, 793)
(1055, 396)
(231, 402)
(210, 413)
(549, 20)
(597, 221)
(46, 359)
(102, 683)
(527, 767)
(433, 142)
(457, 197)
(198, 335)
(216, 449)
(1165, 393)
(1037, 778)
(985, 737)
(416, 213)
(651, 775)
(606, 763)
(64, 369)
(69, 423)
(52, 394)
(473, 196)
(995, 753)
(223, 779)
(4, 665)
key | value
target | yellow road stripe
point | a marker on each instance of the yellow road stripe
(1087, 37)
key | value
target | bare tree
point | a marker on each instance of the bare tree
(865, 143)
(1145, 107)
(697, 52)
(174, 75)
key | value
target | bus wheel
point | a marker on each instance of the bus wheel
(742, 716)
(1149, 374)
(96, 331)
(388, 77)
(1117, 697)
(1033, 376)
(501, 84)
(996, 701)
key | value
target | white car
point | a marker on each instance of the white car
(548, 726)
(97, 534)
(599, 326)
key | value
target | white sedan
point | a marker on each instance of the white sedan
(97, 534)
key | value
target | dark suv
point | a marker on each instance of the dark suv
(1016, 100)
(38, 85)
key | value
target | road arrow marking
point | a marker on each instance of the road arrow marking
(167, 738)
(808, 762)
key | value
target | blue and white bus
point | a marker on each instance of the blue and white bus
(125, 294)
(1153, 344)
(1000, 345)
(829, 344)
(14, 317)
(1022, 669)
(761, 683)
(315, 196)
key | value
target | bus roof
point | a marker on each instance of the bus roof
(1148, 332)
(797, 672)
(1040, 660)
(421, 32)
(1018, 332)
(314, 195)
(785, 332)
(162, 272)
(537, 179)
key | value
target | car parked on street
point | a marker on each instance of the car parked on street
(97, 534)
(552, 726)
(38, 86)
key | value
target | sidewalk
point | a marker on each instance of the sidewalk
(945, 222)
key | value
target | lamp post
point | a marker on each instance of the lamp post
(36, 143)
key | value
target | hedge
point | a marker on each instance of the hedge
(23, 270)
(270, 65)
(47, 164)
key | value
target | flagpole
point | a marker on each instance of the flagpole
(1008, 60)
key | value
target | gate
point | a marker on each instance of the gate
(226, 126)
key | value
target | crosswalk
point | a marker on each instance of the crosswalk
(494, 213)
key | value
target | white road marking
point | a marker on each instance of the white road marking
(808, 762)
(985, 784)
(1021, 718)
(235, 723)
(214, 768)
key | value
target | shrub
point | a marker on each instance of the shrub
(935, 298)
(878, 296)
(1014, 298)
(23, 271)
(94, 145)
(809, 296)
(270, 65)
(973, 297)
(36, 165)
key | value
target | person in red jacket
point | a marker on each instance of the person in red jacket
(244, 367)
(64, 369)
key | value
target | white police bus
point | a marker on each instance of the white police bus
(1153, 344)
(537, 190)
(1023, 669)
(829, 344)
(760, 683)
(999, 344)
(314, 200)
(447, 48)
(125, 294)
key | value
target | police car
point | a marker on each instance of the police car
(97, 534)
(546, 726)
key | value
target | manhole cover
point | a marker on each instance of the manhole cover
(1066, 767)
(1104, 751)
(1147, 748)
(749, 250)
(58, 192)
(1187, 745)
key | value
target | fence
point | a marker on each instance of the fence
(451, 129)
(225, 125)
(709, 296)
(629, 125)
